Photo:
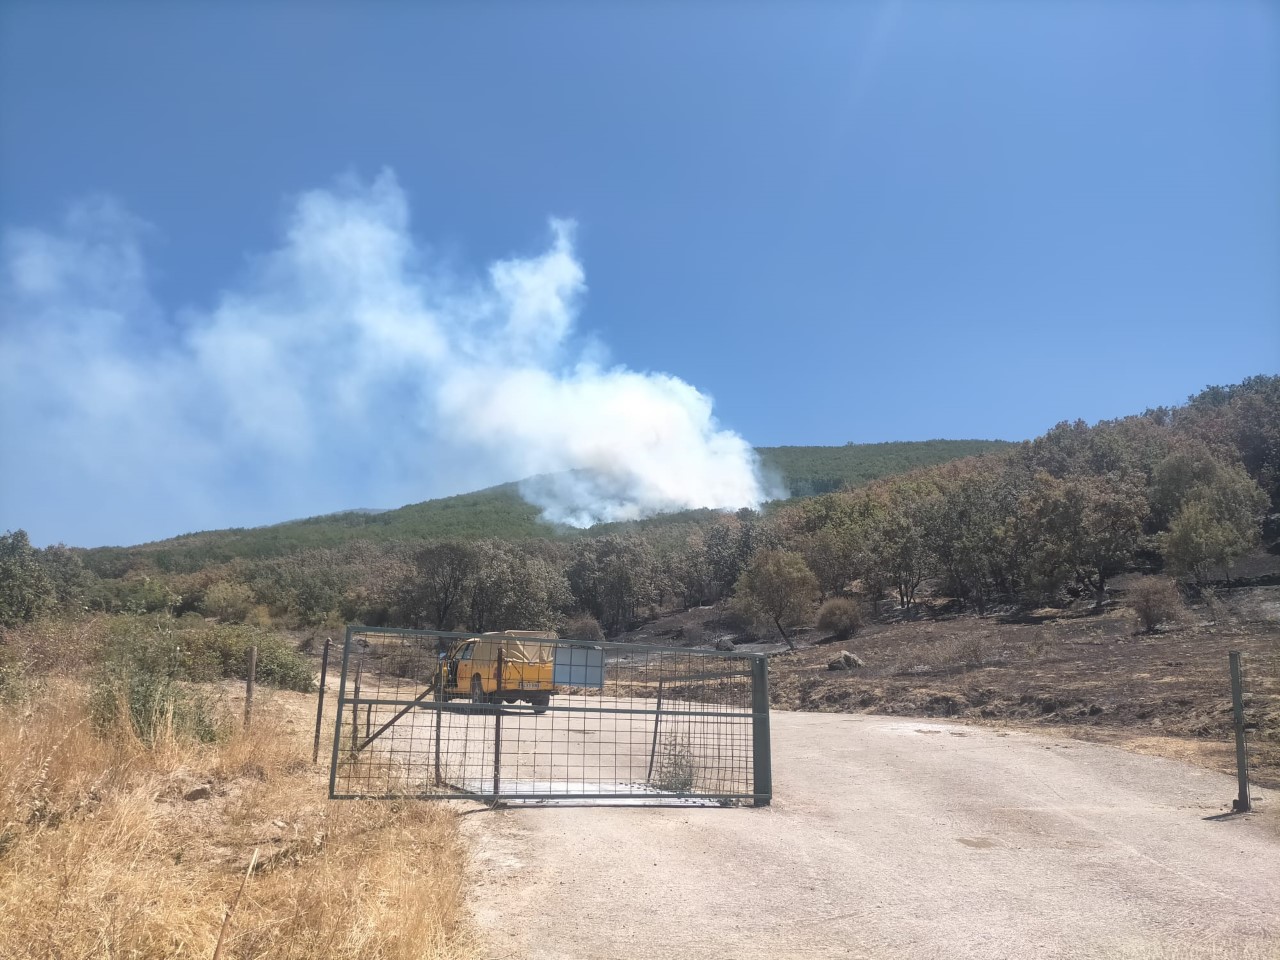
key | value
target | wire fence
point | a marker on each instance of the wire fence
(1256, 705)
(529, 717)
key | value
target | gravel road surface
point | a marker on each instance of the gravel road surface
(895, 838)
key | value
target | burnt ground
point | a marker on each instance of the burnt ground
(1087, 675)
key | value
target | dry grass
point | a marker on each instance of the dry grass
(676, 771)
(100, 855)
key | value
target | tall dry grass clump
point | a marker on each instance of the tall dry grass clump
(116, 843)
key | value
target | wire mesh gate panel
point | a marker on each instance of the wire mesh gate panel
(1258, 680)
(431, 714)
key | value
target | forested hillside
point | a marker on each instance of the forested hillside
(812, 470)
(1183, 490)
(501, 512)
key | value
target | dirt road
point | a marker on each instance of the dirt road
(894, 838)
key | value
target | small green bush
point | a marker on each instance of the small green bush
(149, 663)
(221, 652)
(12, 678)
(228, 601)
(841, 617)
(140, 683)
(743, 614)
(1155, 601)
(153, 705)
(583, 628)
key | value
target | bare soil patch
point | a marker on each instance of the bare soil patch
(1090, 675)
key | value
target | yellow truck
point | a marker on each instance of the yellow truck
(501, 668)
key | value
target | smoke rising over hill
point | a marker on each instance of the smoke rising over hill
(338, 368)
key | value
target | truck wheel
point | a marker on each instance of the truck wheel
(540, 702)
(429, 697)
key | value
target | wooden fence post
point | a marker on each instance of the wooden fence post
(248, 685)
(324, 673)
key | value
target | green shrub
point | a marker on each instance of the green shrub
(12, 676)
(155, 706)
(743, 614)
(585, 627)
(221, 652)
(150, 663)
(841, 617)
(140, 684)
(133, 594)
(227, 601)
(1155, 601)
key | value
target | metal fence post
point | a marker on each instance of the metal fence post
(324, 673)
(1242, 803)
(497, 729)
(355, 711)
(439, 715)
(761, 760)
(657, 719)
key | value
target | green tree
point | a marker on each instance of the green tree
(690, 573)
(70, 581)
(1218, 522)
(833, 554)
(899, 552)
(371, 577)
(778, 585)
(1088, 529)
(613, 577)
(512, 590)
(1190, 466)
(964, 530)
(435, 589)
(728, 545)
(1240, 421)
(537, 595)
(25, 589)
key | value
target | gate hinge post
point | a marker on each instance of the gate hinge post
(761, 758)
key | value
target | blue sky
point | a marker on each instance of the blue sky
(877, 221)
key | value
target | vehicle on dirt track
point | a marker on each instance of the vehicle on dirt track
(500, 668)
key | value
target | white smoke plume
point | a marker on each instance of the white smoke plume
(346, 363)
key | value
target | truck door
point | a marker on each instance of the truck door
(459, 655)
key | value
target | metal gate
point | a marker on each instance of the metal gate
(431, 714)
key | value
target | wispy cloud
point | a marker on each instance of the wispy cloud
(336, 373)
